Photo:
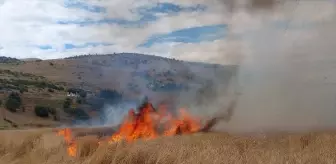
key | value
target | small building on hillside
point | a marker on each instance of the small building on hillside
(71, 94)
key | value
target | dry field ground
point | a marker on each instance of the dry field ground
(44, 146)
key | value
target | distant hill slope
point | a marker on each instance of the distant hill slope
(30, 59)
(4, 59)
(130, 73)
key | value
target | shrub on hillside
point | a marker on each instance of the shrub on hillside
(79, 101)
(67, 103)
(23, 88)
(13, 102)
(41, 111)
(12, 105)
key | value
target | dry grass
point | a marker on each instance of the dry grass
(43, 146)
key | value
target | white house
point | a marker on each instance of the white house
(71, 94)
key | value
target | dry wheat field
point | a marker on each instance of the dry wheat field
(44, 146)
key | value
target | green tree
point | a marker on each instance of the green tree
(79, 101)
(41, 111)
(23, 88)
(13, 102)
(67, 103)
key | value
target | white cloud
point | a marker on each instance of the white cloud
(28, 23)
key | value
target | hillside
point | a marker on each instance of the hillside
(126, 71)
(33, 90)
(132, 76)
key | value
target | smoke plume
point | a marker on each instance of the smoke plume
(284, 80)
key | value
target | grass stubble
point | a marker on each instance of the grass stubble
(44, 146)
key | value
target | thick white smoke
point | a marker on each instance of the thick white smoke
(285, 79)
(114, 114)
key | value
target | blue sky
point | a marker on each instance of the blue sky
(84, 6)
(189, 35)
(68, 46)
(184, 29)
(146, 13)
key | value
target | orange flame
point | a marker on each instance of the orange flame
(145, 125)
(72, 146)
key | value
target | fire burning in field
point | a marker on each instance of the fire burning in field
(72, 146)
(147, 123)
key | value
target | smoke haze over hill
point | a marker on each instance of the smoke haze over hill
(287, 56)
